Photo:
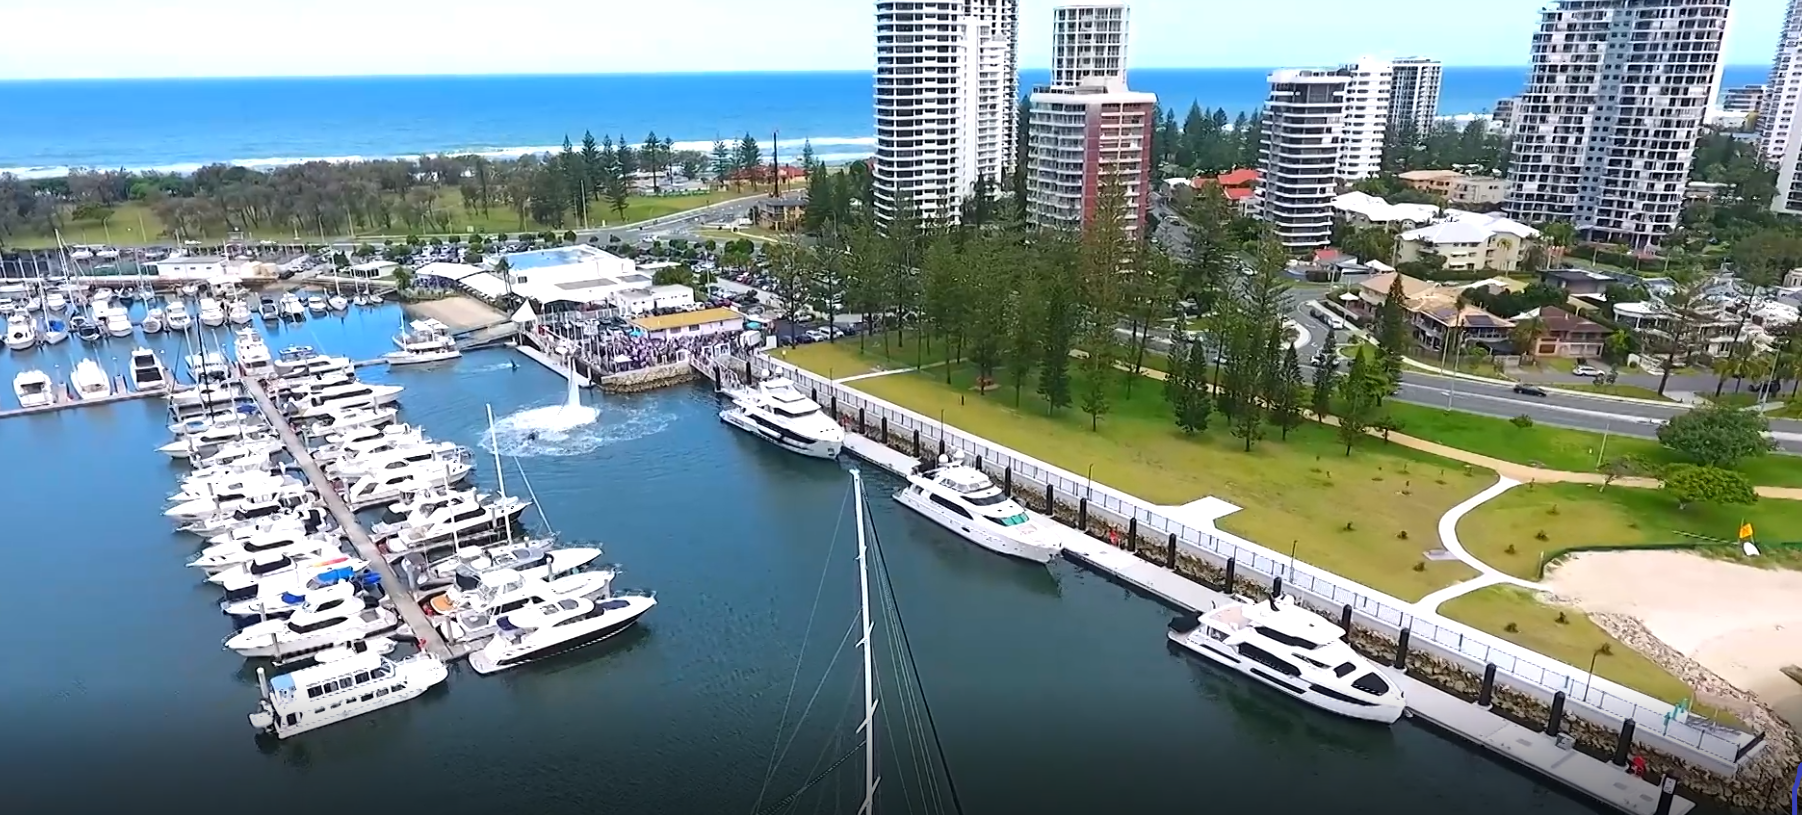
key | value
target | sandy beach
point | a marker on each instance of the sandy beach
(461, 313)
(1741, 622)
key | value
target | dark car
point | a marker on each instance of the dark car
(1529, 390)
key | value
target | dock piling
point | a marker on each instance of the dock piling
(1486, 693)
(1345, 618)
(1082, 514)
(1170, 556)
(1401, 651)
(1667, 794)
(1232, 568)
(1623, 746)
(1554, 721)
(1132, 534)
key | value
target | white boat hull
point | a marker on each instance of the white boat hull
(1198, 644)
(972, 530)
(814, 448)
(250, 645)
(20, 342)
(421, 358)
(499, 655)
(413, 677)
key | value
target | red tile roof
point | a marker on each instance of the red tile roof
(1327, 254)
(1239, 193)
(1559, 321)
(1238, 178)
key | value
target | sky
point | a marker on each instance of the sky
(217, 38)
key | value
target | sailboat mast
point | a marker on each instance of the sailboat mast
(869, 673)
(500, 473)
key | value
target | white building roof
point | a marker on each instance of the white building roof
(1377, 210)
(374, 266)
(1461, 226)
(671, 289)
(447, 271)
(1641, 311)
(485, 284)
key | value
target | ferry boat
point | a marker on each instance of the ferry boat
(341, 689)
(425, 341)
(967, 502)
(558, 627)
(1287, 647)
(775, 411)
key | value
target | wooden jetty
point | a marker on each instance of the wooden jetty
(65, 400)
(401, 591)
(532, 346)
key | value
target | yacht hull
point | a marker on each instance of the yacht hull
(487, 661)
(1199, 646)
(410, 358)
(969, 530)
(812, 448)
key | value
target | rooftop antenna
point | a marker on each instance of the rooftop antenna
(775, 163)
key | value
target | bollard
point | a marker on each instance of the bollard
(1082, 513)
(1232, 564)
(1667, 794)
(1050, 502)
(1345, 618)
(1401, 651)
(1007, 481)
(916, 442)
(1171, 559)
(885, 431)
(862, 425)
(1554, 721)
(979, 464)
(1276, 588)
(1132, 535)
(1624, 744)
(941, 446)
(1486, 693)
(835, 405)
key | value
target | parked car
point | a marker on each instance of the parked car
(1334, 322)
(1588, 371)
(1529, 390)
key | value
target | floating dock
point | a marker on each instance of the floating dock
(532, 346)
(401, 591)
(1532, 750)
(66, 400)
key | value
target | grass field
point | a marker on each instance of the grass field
(850, 356)
(1303, 492)
(1557, 448)
(1573, 642)
(1583, 515)
(134, 224)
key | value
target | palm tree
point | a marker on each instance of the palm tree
(1526, 336)
(1561, 235)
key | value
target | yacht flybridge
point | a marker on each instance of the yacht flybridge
(777, 412)
(1285, 646)
(963, 499)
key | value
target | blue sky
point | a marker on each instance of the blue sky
(137, 38)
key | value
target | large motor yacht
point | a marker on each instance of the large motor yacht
(351, 395)
(1287, 647)
(91, 381)
(966, 501)
(334, 691)
(424, 341)
(253, 353)
(304, 633)
(558, 627)
(777, 412)
(470, 610)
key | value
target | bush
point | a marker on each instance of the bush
(1522, 421)
(1542, 535)
(1511, 628)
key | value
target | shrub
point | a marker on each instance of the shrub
(1420, 566)
(1522, 421)
(1563, 619)
(1542, 535)
(1511, 628)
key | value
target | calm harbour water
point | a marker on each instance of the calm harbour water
(1052, 690)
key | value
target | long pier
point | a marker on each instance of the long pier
(404, 602)
(1532, 750)
(530, 346)
(65, 400)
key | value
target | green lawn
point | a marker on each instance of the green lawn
(1573, 642)
(1557, 448)
(1303, 492)
(1584, 515)
(868, 353)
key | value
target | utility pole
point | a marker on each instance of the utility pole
(775, 163)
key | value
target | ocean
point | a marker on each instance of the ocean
(47, 127)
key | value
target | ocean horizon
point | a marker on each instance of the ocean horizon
(50, 126)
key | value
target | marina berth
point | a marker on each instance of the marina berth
(967, 502)
(1281, 645)
(341, 689)
(212, 438)
(288, 495)
(449, 527)
(234, 453)
(153, 321)
(269, 310)
(86, 329)
(775, 411)
(398, 453)
(346, 419)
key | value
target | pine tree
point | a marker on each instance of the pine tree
(722, 162)
(808, 161)
(627, 160)
(1097, 376)
(1326, 382)
(1020, 354)
(651, 155)
(750, 156)
(1392, 332)
(1194, 402)
(1357, 400)
(593, 171)
(1285, 405)
(1056, 339)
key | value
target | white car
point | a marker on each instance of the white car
(1335, 322)
(1588, 371)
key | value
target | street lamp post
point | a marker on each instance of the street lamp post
(1090, 491)
(1592, 674)
(1601, 452)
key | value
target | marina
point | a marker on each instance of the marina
(739, 577)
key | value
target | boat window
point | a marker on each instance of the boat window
(382, 691)
(366, 697)
(270, 566)
(1287, 639)
(986, 500)
(1010, 520)
(315, 691)
(320, 625)
(950, 505)
(567, 604)
(1333, 694)
(293, 718)
(362, 677)
(1263, 657)
(1344, 670)
(1314, 662)
(1372, 684)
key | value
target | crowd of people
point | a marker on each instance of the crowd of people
(619, 351)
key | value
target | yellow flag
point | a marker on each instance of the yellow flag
(1745, 531)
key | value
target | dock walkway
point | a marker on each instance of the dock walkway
(1529, 749)
(529, 346)
(66, 400)
(402, 593)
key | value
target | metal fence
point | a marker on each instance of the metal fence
(1528, 671)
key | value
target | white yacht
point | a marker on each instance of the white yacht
(116, 321)
(269, 310)
(153, 321)
(420, 454)
(219, 557)
(147, 372)
(302, 633)
(350, 419)
(209, 366)
(176, 317)
(292, 307)
(253, 353)
(280, 568)
(353, 395)
(337, 302)
(91, 381)
(235, 452)
(207, 396)
(265, 518)
(531, 558)
(298, 387)
(220, 418)
(55, 331)
(548, 629)
(776, 411)
(334, 691)
(228, 481)
(56, 301)
(453, 524)
(967, 502)
(380, 488)
(1294, 650)
(238, 313)
(358, 442)
(211, 312)
(424, 341)
(275, 601)
(223, 502)
(211, 438)
(316, 304)
(34, 389)
(21, 330)
(302, 361)
(470, 609)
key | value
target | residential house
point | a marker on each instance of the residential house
(1364, 210)
(1467, 241)
(1374, 290)
(1457, 188)
(1792, 278)
(1239, 186)
(1436, 312)
(1577, 282)
(781, 213)
(1650, 316)
(1566, 334)
(1435, 182)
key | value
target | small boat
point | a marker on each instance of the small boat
(340, 689)
(55, 331)
(34, 389)
(56, 301)
(176, 318)
(107, 254)
(208, 367)
(189, 289)
(359, 299)
(153, 321)
(425, 341)
(253, 353)
(269, 310)
(211, 313)
(238, 313)
(337, 302)
(81, 254)
(316, 304)
(117, 322)
(85, 329)
(147, 372)
(21, 331)
(91, 381)
(103, 293)
(292, 307)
